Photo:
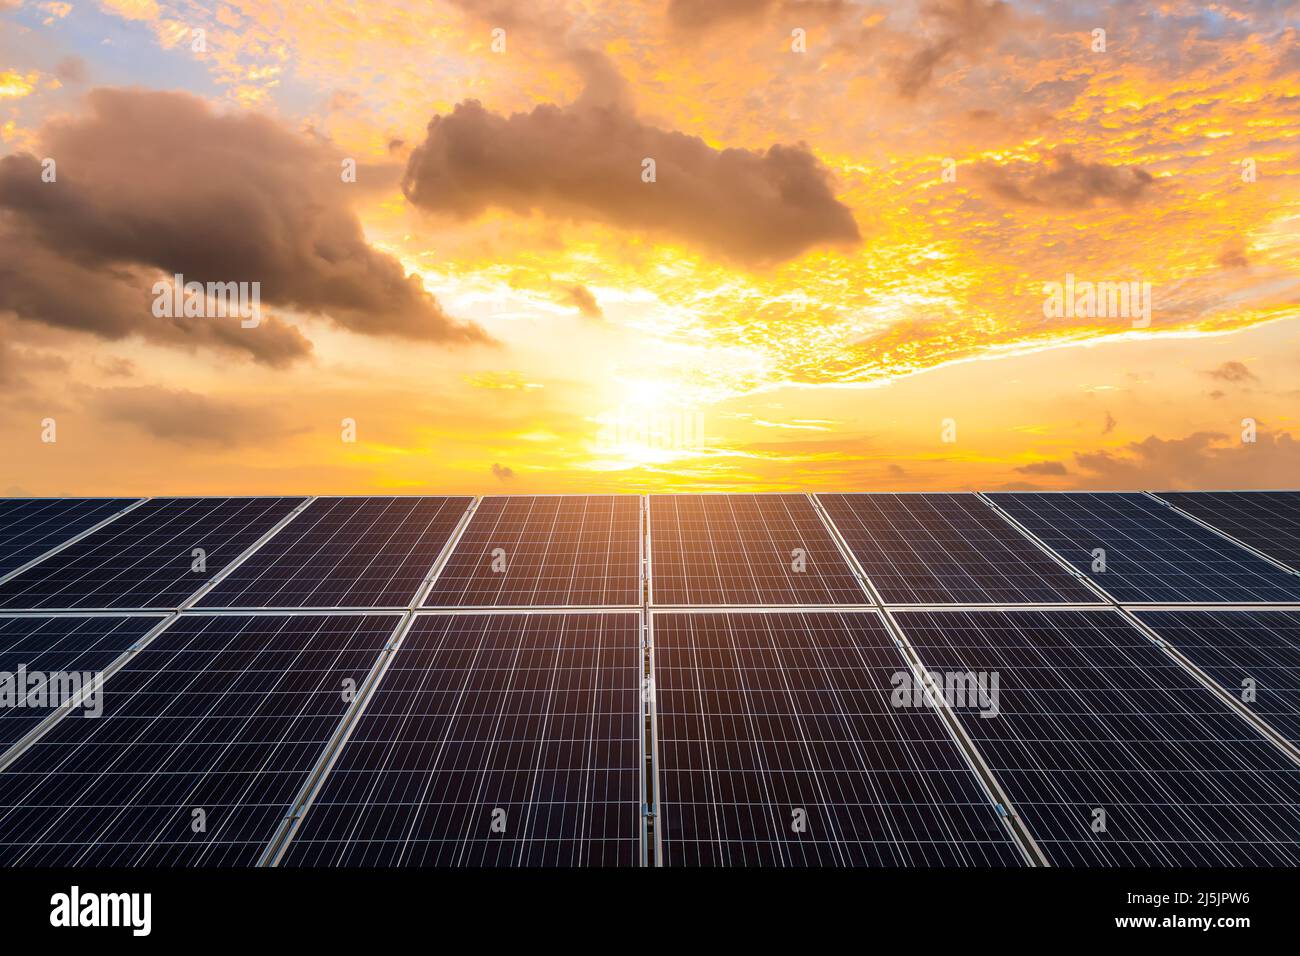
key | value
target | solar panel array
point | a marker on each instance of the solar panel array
(1080, 679)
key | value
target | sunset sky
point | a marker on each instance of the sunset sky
(841, 260)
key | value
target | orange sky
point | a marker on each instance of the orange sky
(805, 316)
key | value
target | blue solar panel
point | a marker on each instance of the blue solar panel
(948, 549)
(31, 526)
(42, 658)
(1268, 521)
(345, 552)
(779, 744)
(492, 740)
(1091, 724)
(1254, 655)
(1151, 554)
(147, 557)
(225, 714)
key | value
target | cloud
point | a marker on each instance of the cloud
(584, 161)
(1043, 468)
(1110, 424)
(963, 28)
(188, 418)
(693, 14)
(1235, 372)
(158, 181)
(1069, 183)
(581, 298)
(1233, 256)
(71, 69)
(1203, 460)
(502, 472)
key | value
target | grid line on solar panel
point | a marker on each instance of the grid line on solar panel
(947, 549)
(762, 717)
(147, 557)
(545, 551)
(745, 550)
(1236, 647)
(344, 552)
(44, 659)
(1092, 716)
(531, 721)
(29, 527)
(1152, 554)
(219, 713)
(1268, 521)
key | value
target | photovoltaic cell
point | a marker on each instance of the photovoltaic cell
(31, 526)
(546, 550)
(1237, 647)
(226, 714)
(529, 721)
(745, 550)
(1093, 718)
(39, 654)
(1152, 554)
(1268, 521)
(146, 558)
(769, 719)
(345, 552)
(948, 549)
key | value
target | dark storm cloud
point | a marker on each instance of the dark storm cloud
(1066, 182)
(158, 181)
(1197, 461)
(585, 162)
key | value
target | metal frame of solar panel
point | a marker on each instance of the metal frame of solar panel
(1265, 521)
(554, 551)
(30, 528)
(1253, 655)
(1152, 554)
(923, 549)
(152, 557)
(778, 744)
(492, 738)
(344, 552)
(1091, 715)
(726, 550)
(206, 735)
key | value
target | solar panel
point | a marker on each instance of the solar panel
(546, 551)
(1268, 521)
(745, 550)
(216, 723)
(44, 660)
(344, 552)
(779, 744)
(31, 526)
(492, 740)
(146, 558)
(1254, 655)
(1095, 726)
(948, 549)
(1152, 554)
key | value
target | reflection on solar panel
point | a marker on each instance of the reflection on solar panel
(545, 551)
(344, 552)
(1152, 554)
(948, 549)
(1254, 655)
(224, 715)
(769, 722)
(1097, 727)
(492, 740)
(31, 526)
(745, 550)
(1268, 521)
(146, 558)
(40, 655)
